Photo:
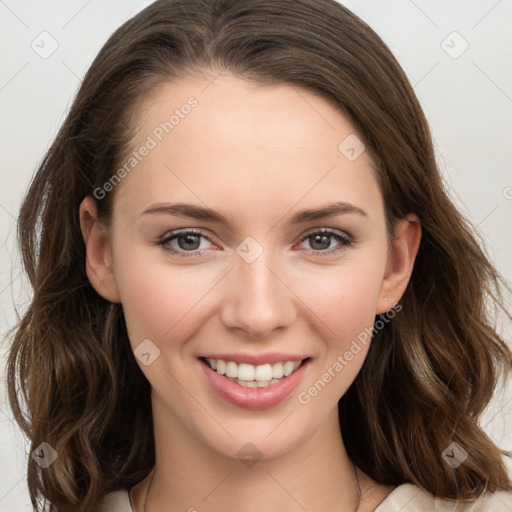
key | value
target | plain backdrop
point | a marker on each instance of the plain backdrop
(456, 53)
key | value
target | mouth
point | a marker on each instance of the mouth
(253, 386)
(254, 376)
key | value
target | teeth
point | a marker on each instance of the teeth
(221, 366)
(277, 370)
(263, 373)
(245, 371)
(248, 383)
(231, 369)
(288, 368)
(252, 376)
(256, 384)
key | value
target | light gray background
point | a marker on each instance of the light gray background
(467, 99)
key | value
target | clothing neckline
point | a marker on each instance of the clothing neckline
(388, 498)
(399, 496)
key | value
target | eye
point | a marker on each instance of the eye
(184, 242)
(320, 240)
(187, 242)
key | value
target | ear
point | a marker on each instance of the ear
(401, 257)
(98, 261)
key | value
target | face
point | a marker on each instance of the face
(244, 272)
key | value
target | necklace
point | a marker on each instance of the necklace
(146, 495)
(360, 494)
(147, 491)
(153, 474)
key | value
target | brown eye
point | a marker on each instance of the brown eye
(320, 241)
(183, 242)
(188, 242)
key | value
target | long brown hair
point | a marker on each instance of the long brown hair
(72, 378)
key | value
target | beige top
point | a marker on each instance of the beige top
(404, 498)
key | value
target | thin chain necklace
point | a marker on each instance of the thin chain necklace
(147, 490)
(153, 474)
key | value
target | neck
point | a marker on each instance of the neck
(190, 475)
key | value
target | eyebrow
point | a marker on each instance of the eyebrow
(209, 215)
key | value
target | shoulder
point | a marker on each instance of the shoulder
(117, 501)
(410, 498)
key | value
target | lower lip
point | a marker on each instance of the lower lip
(253, 398)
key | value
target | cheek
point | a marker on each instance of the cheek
(344, 299)
(159, 301)
(345, 303)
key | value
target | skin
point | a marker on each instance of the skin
(258, 154)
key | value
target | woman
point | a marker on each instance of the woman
(251, 289)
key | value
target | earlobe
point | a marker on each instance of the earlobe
(98, 261)
(401, 258)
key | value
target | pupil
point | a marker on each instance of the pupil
(318, 238)
(188, 241)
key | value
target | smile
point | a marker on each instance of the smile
(253, 386)
(254, 376)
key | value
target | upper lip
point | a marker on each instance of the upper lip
(256, 359)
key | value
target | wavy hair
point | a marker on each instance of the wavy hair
(72, 378)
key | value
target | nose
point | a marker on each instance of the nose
(258, 300)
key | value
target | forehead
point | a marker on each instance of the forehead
(224, 139)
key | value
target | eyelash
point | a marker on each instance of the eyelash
(345, 239)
